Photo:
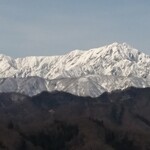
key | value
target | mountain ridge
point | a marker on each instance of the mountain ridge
(107, 68)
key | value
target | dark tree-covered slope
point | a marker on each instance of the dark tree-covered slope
(60, 121)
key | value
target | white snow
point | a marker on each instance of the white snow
(85, 73)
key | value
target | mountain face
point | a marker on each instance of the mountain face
(61, 121)
(83, 73)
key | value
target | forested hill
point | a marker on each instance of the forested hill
(60, 121)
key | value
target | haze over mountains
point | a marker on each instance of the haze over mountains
(83, 73)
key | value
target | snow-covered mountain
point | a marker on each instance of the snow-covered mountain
(85, 73)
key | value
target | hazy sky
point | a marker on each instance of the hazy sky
(53, 27)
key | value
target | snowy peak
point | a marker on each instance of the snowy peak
(80, 72)
(119, 52)
(114, 59)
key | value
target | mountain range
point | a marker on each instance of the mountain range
(84, 100)
(82, 73)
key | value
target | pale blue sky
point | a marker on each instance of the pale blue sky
(54, 27)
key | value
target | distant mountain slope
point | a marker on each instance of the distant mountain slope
(90, 85)
(85, 73)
